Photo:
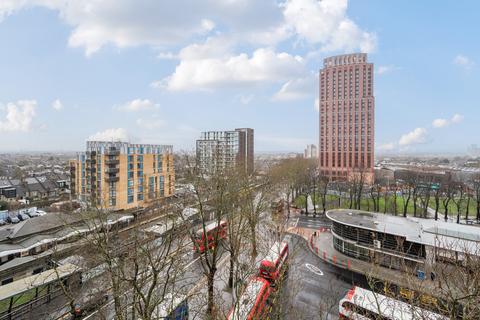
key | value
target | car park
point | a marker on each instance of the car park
(41, 212)
(12, 219)
(32, 214)
(23, 216)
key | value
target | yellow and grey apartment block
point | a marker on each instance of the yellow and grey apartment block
(121, 175)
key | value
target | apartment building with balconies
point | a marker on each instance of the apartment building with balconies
(218, 151)
(121, 175)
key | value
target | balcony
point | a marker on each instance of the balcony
(114, 162)
(112, 170)
(112, 152)
(112, 179)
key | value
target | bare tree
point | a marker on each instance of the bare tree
(323, 186)
(448, 193)
(209, 191)
(375, 192)
(406, 191)
(476, 192)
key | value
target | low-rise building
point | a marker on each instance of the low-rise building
(409, 244)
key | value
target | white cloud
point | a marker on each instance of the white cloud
(18, 116)
(138, 105)
(57, 105)
(442, 123)
(150, 124)
(463, 61)
(457, 118)
(296, 89)
(386, 69)
(325, 22)
(417, 136)
(203, 68)
(128, 23)
(114, 134)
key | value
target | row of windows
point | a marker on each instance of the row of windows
(350, 160)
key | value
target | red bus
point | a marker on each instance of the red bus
(214, 231)
(275, 263)
(362, 304)
(252, 304)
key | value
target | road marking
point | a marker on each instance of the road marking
(188, 265)
(314, 269)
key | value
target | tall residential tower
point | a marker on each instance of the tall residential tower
(347, 118)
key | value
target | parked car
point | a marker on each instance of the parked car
(12, 219)
(2, 222)
(41, 212)
(23, 216)
(33, 214)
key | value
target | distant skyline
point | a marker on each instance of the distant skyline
(155, 72)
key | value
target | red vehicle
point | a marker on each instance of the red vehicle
(275, 263)
(252, 304)
(214, 231)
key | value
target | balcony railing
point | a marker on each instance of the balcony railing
(112, 179)
(112, 170)
(112, 162)
(112, 152)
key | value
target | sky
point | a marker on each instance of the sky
(150, 71)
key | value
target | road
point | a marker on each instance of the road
(312, 288)
(310, 222)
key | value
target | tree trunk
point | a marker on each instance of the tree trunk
(445, 205)
(254, 240)
(210, 297)
(288, 202)
(467, 212)
(231, 271)
(306, 203)
(478, 210)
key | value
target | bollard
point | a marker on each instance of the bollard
(316, 249)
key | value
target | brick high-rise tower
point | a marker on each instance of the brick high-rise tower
(347, 112)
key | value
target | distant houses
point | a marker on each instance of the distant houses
(50, 186)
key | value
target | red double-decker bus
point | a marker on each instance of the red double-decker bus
(252, 304)
(214, 232)
(275, 263)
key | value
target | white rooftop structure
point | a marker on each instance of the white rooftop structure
(439, 234)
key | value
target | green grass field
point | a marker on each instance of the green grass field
(388, 205)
